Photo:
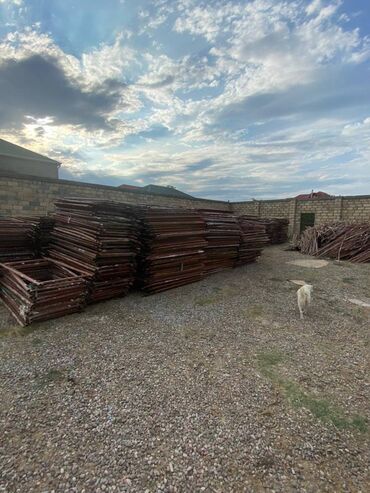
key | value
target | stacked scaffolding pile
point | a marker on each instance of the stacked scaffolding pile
(276, 229)
(173, 242)
(253, 239)
(17, 240)
(223, 237)
(43, 226)
(40, 289)
(100, 240)
(337, 240)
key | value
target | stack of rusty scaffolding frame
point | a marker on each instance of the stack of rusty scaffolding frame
(253, 239)
(276, 228)
(41, 289)
(17, 240)
(223, 238)
(43, 226)
(100, 240)
(173, 242)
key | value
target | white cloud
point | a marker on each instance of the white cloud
(313, 7)
(18, 3)
(256, 60)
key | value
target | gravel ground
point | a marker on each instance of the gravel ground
(216, 386)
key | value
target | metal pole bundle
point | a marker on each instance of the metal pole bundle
(173, 242)
(100, 240)
(253, 239)
(276, 228)
(223, 237)
(43, 226)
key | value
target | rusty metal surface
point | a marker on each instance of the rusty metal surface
(43, 225)
(339, 240)
(253, 239)
(17, 240)
(276, 228)
(223, 238)
(172, 253)
(98, 239)
(41, 289)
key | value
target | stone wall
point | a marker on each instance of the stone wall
(355, 208)
(27, 195)
(263, 208)
(351, 209)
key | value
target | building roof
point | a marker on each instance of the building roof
(313, 195)
(157, 190)
(166, 190)
(129, 187)
(12, 150)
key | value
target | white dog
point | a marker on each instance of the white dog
(304, 297)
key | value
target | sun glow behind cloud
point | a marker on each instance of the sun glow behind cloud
(221, 99)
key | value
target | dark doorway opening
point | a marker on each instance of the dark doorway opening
(307, 220)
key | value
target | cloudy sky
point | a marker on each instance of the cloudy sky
(221, 99)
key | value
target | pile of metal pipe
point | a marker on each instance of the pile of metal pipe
(223, 237)
(253, 239)
(41, 289)
(172, 248)
(43, 226)
(98, 239)
(276, 228)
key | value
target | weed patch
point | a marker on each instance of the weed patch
(53, 376)
(190, 333)
(320, 408)
(276, 279)
(349, 280)
(36, 341)
(254, 311)
(19, 331)
(206, 301)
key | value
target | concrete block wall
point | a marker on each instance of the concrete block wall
(274, 208)
(250, 208)
(263, 208)
(351, 209)
(324, 211)
(356, 208)
(25, 195)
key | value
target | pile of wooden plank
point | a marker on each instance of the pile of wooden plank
(173, 242)
(253, 239)
(338, 240)
(41, 289)
(223, 237)
(98, 239)
(17, 240)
